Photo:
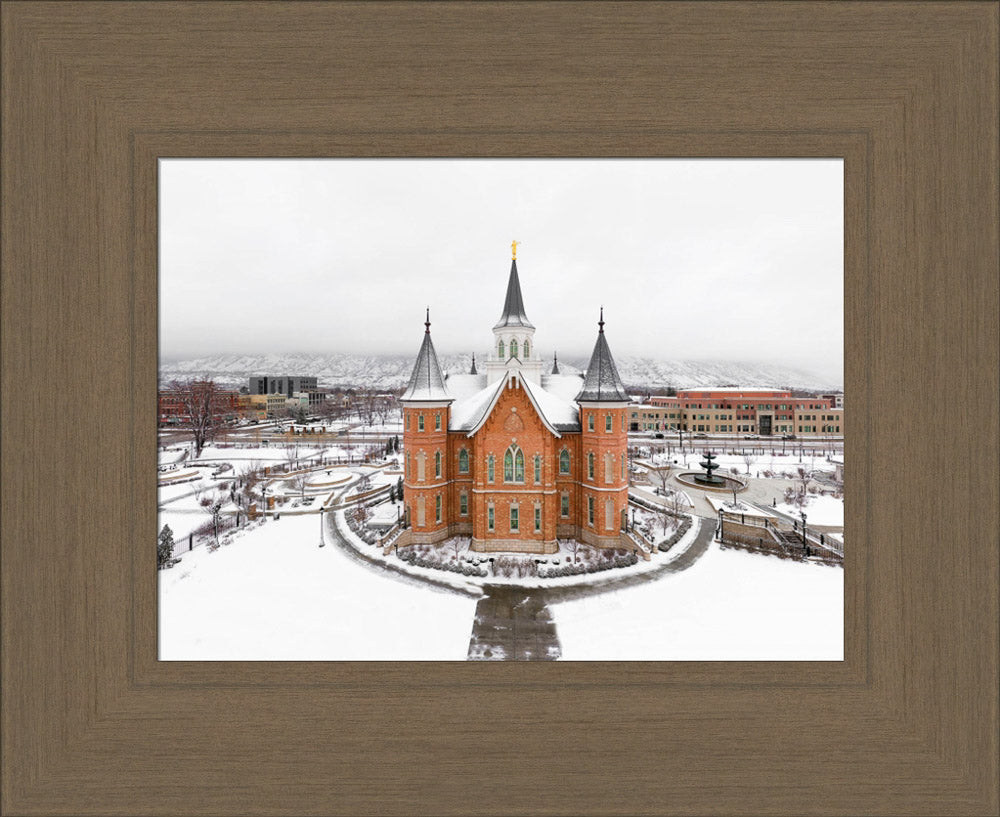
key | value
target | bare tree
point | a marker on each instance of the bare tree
(749, 459)
(676, 504)
(212, 505)
(662, 477)
(300, 484)
(456, 547)
(203, 404)
(291, 455)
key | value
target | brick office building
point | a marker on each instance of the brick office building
(736, 410)
(515, 457)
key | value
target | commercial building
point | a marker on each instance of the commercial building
(764, 412)
(286, 385)
(515, 457)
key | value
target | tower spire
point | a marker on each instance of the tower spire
(555, 363)
(602, 382)
(473, 369)
(513, 305)
(427, 381)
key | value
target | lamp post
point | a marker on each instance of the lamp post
(803, 515)
(321, 541)
(263, 492)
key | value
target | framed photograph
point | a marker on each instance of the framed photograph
(503, 503)
(102, 102)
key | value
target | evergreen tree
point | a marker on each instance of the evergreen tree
(300, 416)
(392, 493)
(165, 547)
(399, 489)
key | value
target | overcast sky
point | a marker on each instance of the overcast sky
(703, 259)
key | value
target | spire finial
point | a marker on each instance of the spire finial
(427, 322)
(513, 250)
(600, 323)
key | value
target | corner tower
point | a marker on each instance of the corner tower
(426, 405)
(603, 447)
(514, 335)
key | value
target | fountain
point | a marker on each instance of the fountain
(708, 480)
(709, 466)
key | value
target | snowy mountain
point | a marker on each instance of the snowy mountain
(393, 371)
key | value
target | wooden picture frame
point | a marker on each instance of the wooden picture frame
(93, 94)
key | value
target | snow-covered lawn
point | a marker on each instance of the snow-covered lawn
(821, 509)
(777, 464)
(728, 606)
(274, 595)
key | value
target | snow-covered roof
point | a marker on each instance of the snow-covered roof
(468, 413)
(461, 386)
(565, 386)
(426, 383)
(602, 383)
(557, 413)
(513, 306)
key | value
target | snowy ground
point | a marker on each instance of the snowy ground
(728, 606)
(821, 509)
(778, 465)
(274, 595)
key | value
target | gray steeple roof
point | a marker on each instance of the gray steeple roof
(426, 382)
(602, 383)
(473, 369)
(555, 363)
(513, 306)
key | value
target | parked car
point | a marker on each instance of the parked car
(788, 437)
(701, 435)
(751, 437)
(658, 435)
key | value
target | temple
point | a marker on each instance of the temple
(516, 457)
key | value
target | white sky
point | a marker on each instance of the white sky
(691, 259)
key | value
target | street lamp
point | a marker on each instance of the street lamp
(321, 541)
(263, 491)
(803, 515)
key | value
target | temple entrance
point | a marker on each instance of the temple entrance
(764, 422)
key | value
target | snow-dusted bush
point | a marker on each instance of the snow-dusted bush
(682, 528)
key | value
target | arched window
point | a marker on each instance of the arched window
(527, 349)
(489, 468)
(437, 508)
(564, 461)
(590, 465)
(538, 467)
(500, 350)
(513, 465)
(513, 348)
(463, 462)
(437, 464)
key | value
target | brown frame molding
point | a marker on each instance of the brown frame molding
(95, 93)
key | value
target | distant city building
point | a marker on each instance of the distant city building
(268, 405)
(836, 399)
(307, 399)
(286, 385)
(172, 404)
(516, 457)
(737, 410)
